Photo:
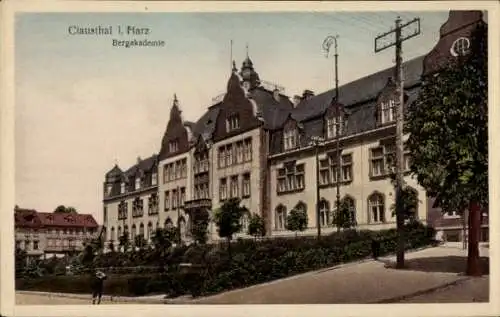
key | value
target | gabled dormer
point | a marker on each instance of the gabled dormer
(292, 134)
(335, 120)
(176, 137)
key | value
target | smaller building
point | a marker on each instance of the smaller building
(43, 234)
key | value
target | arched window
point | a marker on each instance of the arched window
(150, 230)
(376, 208)
(351, 205)
(168, 223)
(134, 232)
(280, 222)
(141, 229)
(324, 213)
(245, 220)
(112, 234)
(126, 232)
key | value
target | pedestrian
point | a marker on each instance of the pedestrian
(375, 248)
(98, 286)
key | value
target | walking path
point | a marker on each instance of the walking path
(433, 275)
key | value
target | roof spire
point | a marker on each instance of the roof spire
(234, 70)
(247, 49)
(176, 102)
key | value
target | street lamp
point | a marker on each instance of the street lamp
(316, 141)
(327, 43)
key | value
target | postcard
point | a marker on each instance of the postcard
(249, 158)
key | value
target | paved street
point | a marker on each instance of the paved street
(432, 276)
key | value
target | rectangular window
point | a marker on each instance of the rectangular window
(178, 169)
(206, 191)
(387, 110)
(122, 188)
(35, 245)
(232, 122)
(154, 179)
(137, 183)
(335, 126)
(229, 155)
(377, 161)
(184, 168)
(347, 168)
(173, 146)
(324, 172)
(239, 152)
(174, 199)
(247, 149)
(223, 189)
(222, 156)
(290, 139)
(246, 185)
(167, 200)
(234, 186)
(183, 196)
(291, 178)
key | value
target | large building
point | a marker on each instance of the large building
(43, 234)
(256, 144)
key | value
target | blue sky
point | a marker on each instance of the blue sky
(81, 103)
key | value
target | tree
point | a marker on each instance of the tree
(199, 229)
(297, 220)
(256, 226)
(344, 218)
(448, 140)
(20, 261)
(63, 209)
(227, 219)
(60, 209)
(410, 203)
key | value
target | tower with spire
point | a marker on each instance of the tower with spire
(249, 77)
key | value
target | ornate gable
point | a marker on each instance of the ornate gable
(237, 113)
(454, 40)
(176, 138)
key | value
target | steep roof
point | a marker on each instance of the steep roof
(358, 91)
(145, 165)
(67, 220)
(27, 218)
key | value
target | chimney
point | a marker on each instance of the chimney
(276, 95)
(307, 94)
(138, 159)
(296, 100)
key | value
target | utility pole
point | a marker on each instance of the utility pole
(316, 142)
(338, 123)
(399, 39)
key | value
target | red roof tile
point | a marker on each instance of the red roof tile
(30, 218)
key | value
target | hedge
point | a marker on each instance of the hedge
(251, 262)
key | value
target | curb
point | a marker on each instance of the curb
(401, 298)
(110, 298)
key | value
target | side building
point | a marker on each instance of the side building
(43, 234)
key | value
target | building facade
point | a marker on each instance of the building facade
(43, 234)
(258, 144)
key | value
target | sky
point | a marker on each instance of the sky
(83, 105)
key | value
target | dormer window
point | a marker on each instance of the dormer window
(290, 139)
(137, 183)
(335, 126)
(387, 111)
(154, 179)
(232, 122)
(122, 188)
(173, 146)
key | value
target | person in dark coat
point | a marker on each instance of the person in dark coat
(98, 287)
(375, 248)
